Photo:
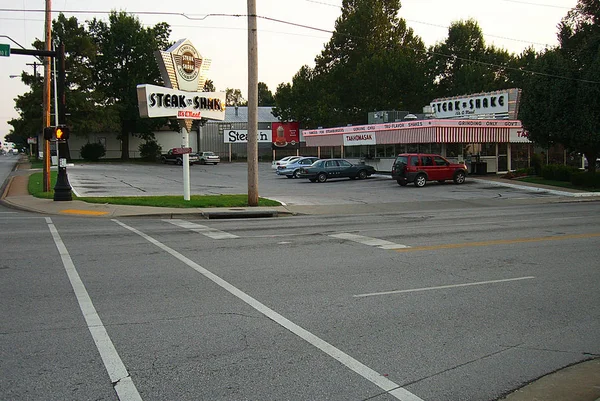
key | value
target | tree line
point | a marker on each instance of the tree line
(373, 61)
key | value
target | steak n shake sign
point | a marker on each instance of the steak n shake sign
(184, 72)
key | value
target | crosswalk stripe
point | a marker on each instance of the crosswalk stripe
(204, 230)
(379, 243)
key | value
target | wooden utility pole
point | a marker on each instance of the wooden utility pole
(252, 105)
(47, 94)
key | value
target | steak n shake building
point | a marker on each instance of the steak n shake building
(474, 128)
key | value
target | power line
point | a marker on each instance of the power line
(204, 16)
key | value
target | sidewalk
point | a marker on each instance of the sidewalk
(579, 382)
(16, 195)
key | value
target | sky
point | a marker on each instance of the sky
(513, 25)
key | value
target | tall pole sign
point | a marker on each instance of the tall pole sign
(183, 71)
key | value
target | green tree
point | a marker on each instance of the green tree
(209, 86)
(265, 97)
(561, 102)
(463, 64)
(125, 59)
(233, 97)
(372, 62)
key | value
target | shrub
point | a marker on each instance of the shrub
(92, 151)
(558, 172)
(586, 180)
(536, 162)
(150, 150)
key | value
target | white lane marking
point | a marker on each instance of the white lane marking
(443, 287)
(382, 382)
(379, 243)
(119, 376)
(204, 230)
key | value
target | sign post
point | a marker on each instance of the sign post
(183, 70)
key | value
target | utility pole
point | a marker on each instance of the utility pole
(47, 92)
(252, 105)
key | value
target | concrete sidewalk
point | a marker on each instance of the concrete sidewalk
(579, 382)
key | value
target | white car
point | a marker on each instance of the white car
(283, 161)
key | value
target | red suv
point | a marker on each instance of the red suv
(422, 167)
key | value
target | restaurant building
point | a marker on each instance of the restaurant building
(480, 129)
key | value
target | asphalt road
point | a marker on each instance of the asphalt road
(465, 303)
(143, 180)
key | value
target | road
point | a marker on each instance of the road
(464, 303)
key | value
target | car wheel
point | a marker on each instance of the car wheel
(402, 183)
(163, 160)
(362, 174)
(459, 177)
(180, 162)
(295, 175)
(420, 180)
(202, 161)
(322, 177)
(312, 179)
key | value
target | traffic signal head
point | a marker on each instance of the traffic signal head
(49, 133)
(60, 133)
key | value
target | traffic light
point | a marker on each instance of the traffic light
(49, 133)
(60, 133)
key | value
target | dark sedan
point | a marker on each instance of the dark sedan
(322, 170)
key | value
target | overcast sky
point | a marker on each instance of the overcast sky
(283, 48)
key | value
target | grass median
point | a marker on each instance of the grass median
(35, 188)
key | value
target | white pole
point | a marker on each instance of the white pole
(186, 164)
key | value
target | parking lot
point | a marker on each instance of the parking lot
(130, 179)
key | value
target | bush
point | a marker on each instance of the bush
(586, 180)
(536, 162)
(558, 172)
(92, 151)
(150, 151)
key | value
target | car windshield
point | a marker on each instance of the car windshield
(209, 153)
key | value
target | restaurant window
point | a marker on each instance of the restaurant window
(436, 148)
(352, 151)
(412, 148)
(380, 151)
(453, 149)
(488, 149)
(400, 148)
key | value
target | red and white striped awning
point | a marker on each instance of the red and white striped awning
(411, 135)
(471, 134)
(422, 131)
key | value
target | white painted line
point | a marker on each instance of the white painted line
(379, 380)
(204, 230)
(442, 287)
(369, 241)
(119, 377)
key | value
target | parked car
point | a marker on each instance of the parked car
(283, 161)
(419, 168)
(291, 169)
(176, 158)
(322, 170)
(208, 157)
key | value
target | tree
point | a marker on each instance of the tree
(561, 103)
(463, 64)
(209, 86)
(125, 59)
(233, 97)
(265, 97)
(372, 62)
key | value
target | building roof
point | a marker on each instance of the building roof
(240, 115)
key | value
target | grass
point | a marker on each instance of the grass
(554, 183)
(35, 188)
